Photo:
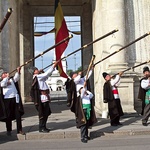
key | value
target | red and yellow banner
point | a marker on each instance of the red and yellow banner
(61, 32)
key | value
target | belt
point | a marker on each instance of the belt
(44, 92)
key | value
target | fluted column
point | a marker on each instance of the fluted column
(116, 18)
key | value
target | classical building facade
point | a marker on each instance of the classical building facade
(98, 17)
(55, 82)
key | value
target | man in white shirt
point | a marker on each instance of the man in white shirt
(12, 100)
(79, 80)
(111, 96)
(40, 95)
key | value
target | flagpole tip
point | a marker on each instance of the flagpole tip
(116, 30)
(10, 10)
(70, 36)
(94, 56)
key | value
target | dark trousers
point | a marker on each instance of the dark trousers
(115, 111)
(43, 121)
(115, 120)
(143, 106)
(84, 128)
(12, 113)
(146, 113)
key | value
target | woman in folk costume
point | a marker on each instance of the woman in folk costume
(111, 96)
(11, 102)
(40, 95)
(145, 84)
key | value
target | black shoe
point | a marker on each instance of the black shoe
(114, 124)
(84, 140)
(87, 138)
(47, 129)
(44, 130)
(120, 124)
(144, 124)
(9, 133)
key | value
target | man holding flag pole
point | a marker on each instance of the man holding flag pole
(61, 32)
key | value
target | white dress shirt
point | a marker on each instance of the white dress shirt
(9, 90)
(42, 82)
(86, 96)
(145, 84)
(80, 81)
(115, 83)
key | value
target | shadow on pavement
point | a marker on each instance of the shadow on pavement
(111, 129)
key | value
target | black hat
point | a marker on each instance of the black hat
(104, 74)
(32, 69)
(1, 72)
(71, 74)
(145, 69)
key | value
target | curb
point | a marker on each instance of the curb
(76, 134)
(50, 135)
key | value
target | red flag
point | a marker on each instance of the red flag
(61, 32)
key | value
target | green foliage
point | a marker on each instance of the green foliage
(79, 69)
(70, 70)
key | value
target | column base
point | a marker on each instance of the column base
(117, 67)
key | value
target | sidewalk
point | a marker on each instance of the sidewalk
(62, 125)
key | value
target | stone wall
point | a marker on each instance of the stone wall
(128, 17)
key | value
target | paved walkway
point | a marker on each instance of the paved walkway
(62, 125)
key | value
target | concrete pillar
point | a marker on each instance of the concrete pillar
(14, 36)
(0, 34)
(4, 37)
(26, 49)
(86, 28)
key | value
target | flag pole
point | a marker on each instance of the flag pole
(123, 47)
(57, 44)
(89, 67)
(86, 45)
(134, 67)
(9, 11)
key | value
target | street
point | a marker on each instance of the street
(140, 142)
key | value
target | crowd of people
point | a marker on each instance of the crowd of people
(81, 103)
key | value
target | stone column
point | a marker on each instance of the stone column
(86, 25)
(26, 49)
(0, 35)
(116, 19)
(4, 37)
(107, 16)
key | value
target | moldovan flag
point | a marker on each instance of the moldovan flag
(61, 32)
